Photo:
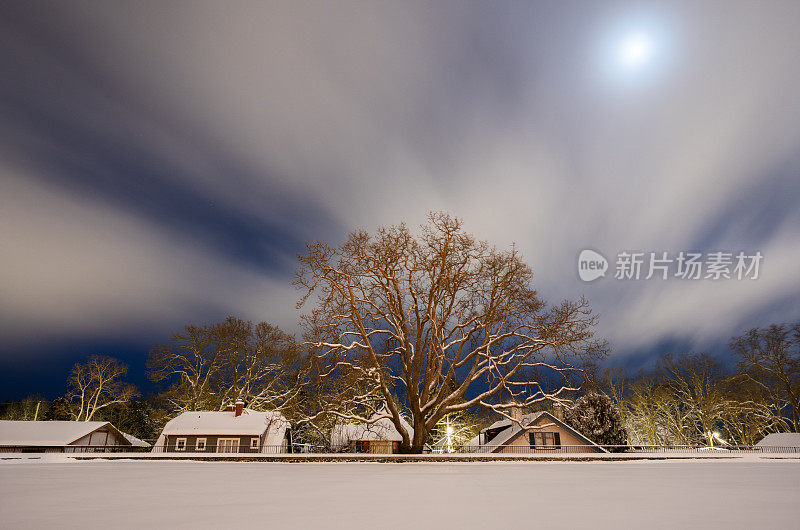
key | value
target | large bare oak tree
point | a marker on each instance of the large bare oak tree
(97, 384)
(433, 324)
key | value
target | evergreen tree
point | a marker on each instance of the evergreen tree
(596, 416)
(59, 410)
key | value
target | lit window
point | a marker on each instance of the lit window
(547, 440)
(200, 445)
(180, 444)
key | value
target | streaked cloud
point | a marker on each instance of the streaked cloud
(163, 162)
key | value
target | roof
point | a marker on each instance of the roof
(222, 423)
(48, 433)
(514, 429)
(381, 430)
(136, 442)
(780, 439)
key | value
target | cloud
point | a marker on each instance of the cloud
(72, 266)
(201, 143)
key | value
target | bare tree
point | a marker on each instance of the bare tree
(770, 358)
(437, 324)
(29, 409)
(455, 430)
(700, 389)
(752, 413)
(96, 384)
(615, 383)
(216, 364)
(646, 404)
(190, 358)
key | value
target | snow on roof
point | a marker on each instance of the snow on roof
(136, 442)
(381, 430)
(513, 429)
(217, 423)
(499, 423)
(46, 433)
(780, 439)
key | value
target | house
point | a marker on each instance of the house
(234, 430)
(64, 437)
(380, 437)
(538, 432)
(780, 442)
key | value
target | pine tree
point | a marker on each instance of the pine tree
(596, 416)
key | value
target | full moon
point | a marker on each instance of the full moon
(635, 50)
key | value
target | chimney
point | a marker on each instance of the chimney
(230, 407)
(239, 407)
(516, 413)
(558, 411)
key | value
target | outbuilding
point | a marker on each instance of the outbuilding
(379, 437)
(780, 442)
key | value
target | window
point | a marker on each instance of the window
(200, 445)
(228, 445)
(253, 443)
(545, 440)
(362, 446)
(180, 444)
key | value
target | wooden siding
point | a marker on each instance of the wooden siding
(212, 443)
(545, 424)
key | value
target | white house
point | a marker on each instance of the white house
(234, 430)
(63, 437)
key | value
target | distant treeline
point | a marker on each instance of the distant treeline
(429, 328)
(687, 399)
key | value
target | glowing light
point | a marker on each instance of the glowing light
(635, 50)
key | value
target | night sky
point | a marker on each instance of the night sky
(162, 163)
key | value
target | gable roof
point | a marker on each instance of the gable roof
(136, 442)
(50, 433)
(514, 430)
(780, 439)
(223, 423)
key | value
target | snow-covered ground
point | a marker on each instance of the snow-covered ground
(662, 494)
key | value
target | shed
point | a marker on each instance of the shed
(379, 437)
(780, 442)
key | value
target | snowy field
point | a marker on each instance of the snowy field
(640, 494)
